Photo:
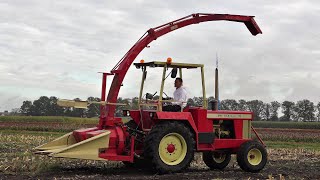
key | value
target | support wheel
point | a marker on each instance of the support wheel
(170, 147)
(252, 156)
(216, 160)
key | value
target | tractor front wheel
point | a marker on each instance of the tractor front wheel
(216, 160)
(170, 147)
(252, 156)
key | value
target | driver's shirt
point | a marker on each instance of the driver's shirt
(180, 95)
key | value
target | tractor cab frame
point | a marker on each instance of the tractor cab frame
(166, 66)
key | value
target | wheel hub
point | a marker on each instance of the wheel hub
(172, 149)
(254, 156)
(219, 157)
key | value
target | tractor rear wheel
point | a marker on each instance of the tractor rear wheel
(170, 147)
(252, 156)
(216, 160)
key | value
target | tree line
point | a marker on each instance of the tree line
(303, 110)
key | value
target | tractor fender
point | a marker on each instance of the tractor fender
(178, 116)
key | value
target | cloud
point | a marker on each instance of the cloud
(56, 47)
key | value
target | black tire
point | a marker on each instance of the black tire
(138, 163)
(165, 130)
(216, 160)
(248, 156)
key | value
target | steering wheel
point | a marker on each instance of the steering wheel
(167, 97)
(150, 96)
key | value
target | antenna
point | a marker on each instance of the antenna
(216, 87)
(217, 60)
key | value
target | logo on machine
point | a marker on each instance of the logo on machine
(230, 116)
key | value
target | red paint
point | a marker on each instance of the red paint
(238, 128)
(177, 116)
(81, 134)
(200, 118)
(171, 148)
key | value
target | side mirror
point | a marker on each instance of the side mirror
(174, 73)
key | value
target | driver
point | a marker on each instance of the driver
(179, 95)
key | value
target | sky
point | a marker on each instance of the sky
(56, 48)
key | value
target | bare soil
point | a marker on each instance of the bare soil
(283, 163)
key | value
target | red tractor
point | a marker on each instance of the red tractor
(166, 139)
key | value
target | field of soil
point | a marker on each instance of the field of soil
(293, 154)
(283, 163)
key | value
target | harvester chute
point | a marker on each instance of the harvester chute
(66, 146)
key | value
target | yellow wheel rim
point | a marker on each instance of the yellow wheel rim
(172, 149)
(254, 157)
(219, 157)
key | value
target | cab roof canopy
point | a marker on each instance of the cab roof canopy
(169, 65)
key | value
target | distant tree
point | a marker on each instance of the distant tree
(210, 100)
(266, 112)
(93, 109)
(275, 105)
(318, 109)
(26, 108)
(135, 103)
(242, 105)
(198, 101)
(229, 104)
(120, 108)
(191, 102)
(41, 106)
(53, 108)
(287, 110)
(305, 110)
(255, 106)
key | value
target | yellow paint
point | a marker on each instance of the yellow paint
(254, 156)
(84, 104)
(205, 103)
(229, 116)
(162, 86)
(246, 130)
(180, 152)
(141, 85)
(72, 103)
(86, 149)
(63, 141)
